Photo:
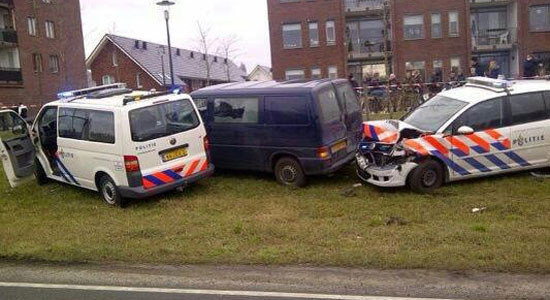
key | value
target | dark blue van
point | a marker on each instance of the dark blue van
(293, 129)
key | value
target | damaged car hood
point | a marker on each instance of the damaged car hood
(390, 131)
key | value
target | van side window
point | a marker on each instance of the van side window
(286, 111)
(482, 116)
(330, 110)
(236, 110)
(102, 127)
(349, 97)
(72, 122)
(527, 108)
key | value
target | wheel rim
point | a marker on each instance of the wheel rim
(109, 193)
(429, 178)
(289, 173)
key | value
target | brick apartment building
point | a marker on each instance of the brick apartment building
(41, 50)
(145, 65)
(398, 36)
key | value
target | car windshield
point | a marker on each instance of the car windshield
(431, 115)
(162, 120)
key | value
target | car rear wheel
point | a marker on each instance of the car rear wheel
(288, 171)
(39, 173)
(109, 192)
(427, 177)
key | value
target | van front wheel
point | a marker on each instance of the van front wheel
(109, 192)
(288, 171)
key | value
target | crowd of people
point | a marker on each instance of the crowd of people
(391, 95)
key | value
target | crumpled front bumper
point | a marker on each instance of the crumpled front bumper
(388, 176)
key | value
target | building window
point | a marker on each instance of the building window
(313, 34)
(331, 33)
(332, 72)
(37, 62)
(414, 27)
(138, 81)
(436, 26)
(292, 36)
(31, 24)
(365, 36)
(539, 18)
(438, 68)
(108, 79)
(50, 29)
(115, 59)
(455, 65)
(316, 73)
(54, 64)
(294, 74)
(416, 66)
(47, 1)
(453, 24)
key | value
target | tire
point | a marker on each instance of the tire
(109, 192)
(39, 173)
(289, 172)
(427, 177)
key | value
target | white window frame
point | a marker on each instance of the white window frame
(330, 27)
(316, 73)
(31, 26)
(49, 27)
(138, 81)
(114, 58)
(294, 72)
(54, 64)
(412, 20)
(457, 21)
(332, 72)
(313, 26)
(436, 23)
(107, 79)
(292, 27)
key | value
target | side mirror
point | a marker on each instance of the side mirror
(465, 130)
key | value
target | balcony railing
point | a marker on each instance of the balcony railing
(363, 5)
(10, 75)
(494, 38)
(6, 3)
(360, 49)
(8, 36)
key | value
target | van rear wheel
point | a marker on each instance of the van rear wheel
(288, 171)
(109, 192)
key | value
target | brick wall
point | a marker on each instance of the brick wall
(530, 42)
(429, 49)
(126, 70)
(303, 11)
(68, 45)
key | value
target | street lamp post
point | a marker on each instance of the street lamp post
(166, 4)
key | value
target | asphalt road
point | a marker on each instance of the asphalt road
(44, 281)
(32, 291)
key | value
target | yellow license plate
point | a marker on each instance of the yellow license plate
(174, 154)
(340, 146)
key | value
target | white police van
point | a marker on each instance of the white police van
(487, 127)
(110, 139)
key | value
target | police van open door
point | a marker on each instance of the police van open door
(16, 148)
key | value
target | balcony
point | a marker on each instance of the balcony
(8, 36)
(10, 76)
(488, 3)
(368, 51)
(494, 39)
(360, 7)
(8, 3)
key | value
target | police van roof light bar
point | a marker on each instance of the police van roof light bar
(84, 92)
(489, 82)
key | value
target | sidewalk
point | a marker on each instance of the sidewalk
(297, 279)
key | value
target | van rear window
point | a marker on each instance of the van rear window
(349, 97)
(330, 110)
(156, 121)
(286, 111)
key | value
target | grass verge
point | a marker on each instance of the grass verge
(246, 218)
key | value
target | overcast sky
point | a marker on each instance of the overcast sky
(143, 19)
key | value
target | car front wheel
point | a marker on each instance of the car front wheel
(427, 177)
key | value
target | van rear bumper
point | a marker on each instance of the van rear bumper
(315, 166)
(140, 192)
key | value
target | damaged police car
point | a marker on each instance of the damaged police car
(487, 127)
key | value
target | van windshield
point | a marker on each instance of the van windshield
(162, 120)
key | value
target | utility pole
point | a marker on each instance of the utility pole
(385, 20)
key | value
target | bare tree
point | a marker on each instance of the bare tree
(228, 50)
(204, 45)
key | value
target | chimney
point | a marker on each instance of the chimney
(144, 45)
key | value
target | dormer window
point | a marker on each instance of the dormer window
(192, 54)
(178, 52)
(204, 57)
(144, 45)
(215, 59)
(136, 44)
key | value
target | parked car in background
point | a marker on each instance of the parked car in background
(487, 127)
(293, 129)
(110, 139)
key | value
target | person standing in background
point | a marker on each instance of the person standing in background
(530, 67)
